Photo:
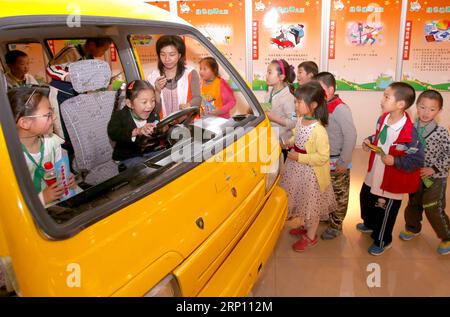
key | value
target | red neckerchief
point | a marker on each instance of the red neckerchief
(299, 150)
(333, 103)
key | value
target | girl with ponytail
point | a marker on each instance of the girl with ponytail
(280, 76)
(135, 122)
(306, 178)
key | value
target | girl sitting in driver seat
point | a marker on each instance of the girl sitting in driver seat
(130, 127)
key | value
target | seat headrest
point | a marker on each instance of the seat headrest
(89, 75)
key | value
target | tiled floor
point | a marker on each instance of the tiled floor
(342, 267)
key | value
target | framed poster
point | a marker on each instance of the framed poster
(363, 43)
(426, 47)
(223, 23)
(160, 4)
(287, 29)
(144, 47)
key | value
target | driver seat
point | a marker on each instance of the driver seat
(86, 117)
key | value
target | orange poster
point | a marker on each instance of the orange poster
(426, 48)
(288, 29)
(160, 4)
(363, 43)
(38, 61)
(223, 23)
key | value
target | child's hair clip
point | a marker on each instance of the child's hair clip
(123, 86)
(131, 85)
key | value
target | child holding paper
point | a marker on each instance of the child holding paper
(395, 171)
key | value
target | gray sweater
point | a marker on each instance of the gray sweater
(283, 105)
(437, 151)
(342, 134)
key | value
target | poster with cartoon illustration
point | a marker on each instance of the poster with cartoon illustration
(160, 4)
(223, 23)
(361, 33)
(426, 47)
(288, 29)
(362, 47)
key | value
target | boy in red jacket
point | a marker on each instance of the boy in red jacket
(394, 166)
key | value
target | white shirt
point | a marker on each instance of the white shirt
(13, 81)
(139, 124)
(52, 153)
(375, 177)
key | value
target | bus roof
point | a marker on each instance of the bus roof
(132, 9)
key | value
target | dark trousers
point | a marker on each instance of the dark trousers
(129, 163)
(379, 214)
(432, 200)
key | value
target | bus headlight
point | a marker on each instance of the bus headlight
(167, 287)
(8, 276)
(273, 171)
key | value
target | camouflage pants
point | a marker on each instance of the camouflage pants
(341, 187)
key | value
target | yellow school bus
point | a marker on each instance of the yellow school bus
(201, 225)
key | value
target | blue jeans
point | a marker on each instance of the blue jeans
(139, 159)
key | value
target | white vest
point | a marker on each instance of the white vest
(182, 86)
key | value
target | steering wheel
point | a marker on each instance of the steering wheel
(176, 118)
(164, 128)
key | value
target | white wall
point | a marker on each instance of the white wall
(365, 106)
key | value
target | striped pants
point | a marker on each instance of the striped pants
(379, 214)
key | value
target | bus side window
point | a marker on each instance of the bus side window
(38, 59)
(111, 56)
(144, 47)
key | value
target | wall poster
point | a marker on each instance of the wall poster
(223, 23)
(160, 4)
(288, 29)
(426, 48)
(363, 43)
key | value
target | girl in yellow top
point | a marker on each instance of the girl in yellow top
(217, 96)
(306, 178)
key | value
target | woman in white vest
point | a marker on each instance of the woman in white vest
(177, 86)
